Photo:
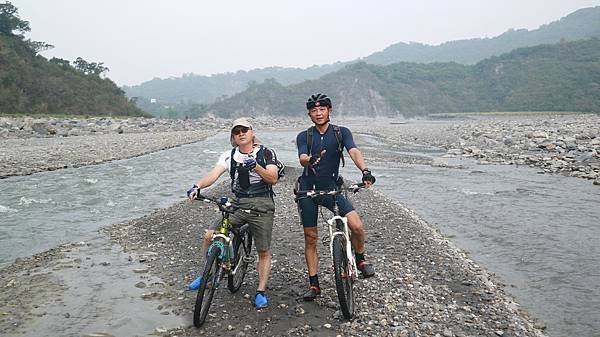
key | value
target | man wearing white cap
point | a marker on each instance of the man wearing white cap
(253, 169)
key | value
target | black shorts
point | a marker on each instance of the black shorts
(309, 207)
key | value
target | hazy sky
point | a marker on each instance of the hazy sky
(142, 39)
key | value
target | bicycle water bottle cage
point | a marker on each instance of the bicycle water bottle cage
(221, 247)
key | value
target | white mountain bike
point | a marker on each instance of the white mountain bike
(340, 247)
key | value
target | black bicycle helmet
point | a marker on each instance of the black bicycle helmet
(318, 100)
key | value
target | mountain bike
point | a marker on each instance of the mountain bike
(228, 254)
(340, 247)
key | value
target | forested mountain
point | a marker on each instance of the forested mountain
(559, 77)
(205, 89)
(581, 24)
(184, 95)
(29, 83)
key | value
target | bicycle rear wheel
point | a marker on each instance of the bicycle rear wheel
(210, 282)
(242, 247)
(343, 277)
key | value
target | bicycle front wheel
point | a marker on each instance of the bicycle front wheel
(210, 282)
(343, 277)
(242, 247)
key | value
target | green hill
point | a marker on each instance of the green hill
(31, 84)
(581, 24)
(183, 95)
(559, 77)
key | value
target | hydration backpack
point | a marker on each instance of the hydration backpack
(260, 160)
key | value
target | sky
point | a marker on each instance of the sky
(139, 40)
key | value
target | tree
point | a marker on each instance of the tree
(61, 62)
(10, 21)
(37, 46)
(90, 68)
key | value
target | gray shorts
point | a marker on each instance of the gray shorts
(261, 224)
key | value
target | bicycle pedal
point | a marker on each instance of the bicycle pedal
(248, 259)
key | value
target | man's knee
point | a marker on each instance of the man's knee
(208, 234)
(310, 236)
(354, 222)
(264, 253)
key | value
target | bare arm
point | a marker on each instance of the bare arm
(357, 158)
(211, 177)
(359, 161)
(268, 174)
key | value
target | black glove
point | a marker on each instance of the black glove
(314, 158)
(367, 176)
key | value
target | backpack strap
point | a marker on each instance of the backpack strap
(232, 167)
(338, 136)
(260, 160)
(309, 134)
(260, 156)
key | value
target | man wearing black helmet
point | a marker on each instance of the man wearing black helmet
(320, 150)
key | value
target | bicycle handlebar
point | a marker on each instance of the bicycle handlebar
(316, 193)
(226, 205)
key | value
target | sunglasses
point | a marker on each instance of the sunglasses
(239, 129)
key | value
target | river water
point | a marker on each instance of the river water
(538, 233)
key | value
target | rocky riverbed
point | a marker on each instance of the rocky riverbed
(424, 285)
(567, 144)
(29, 145)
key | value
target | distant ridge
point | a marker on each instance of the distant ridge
(189, 94)
(581, 24)
(559, 77)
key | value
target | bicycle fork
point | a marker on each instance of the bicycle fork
(225, 246)
(345, 233)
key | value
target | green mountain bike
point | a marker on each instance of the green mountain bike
(229, 254)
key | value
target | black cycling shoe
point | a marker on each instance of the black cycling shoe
(366, 269)
(312, 293)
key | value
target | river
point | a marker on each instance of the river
(537, 232)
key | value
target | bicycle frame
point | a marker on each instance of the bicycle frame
(227, 252)
(345, 232)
